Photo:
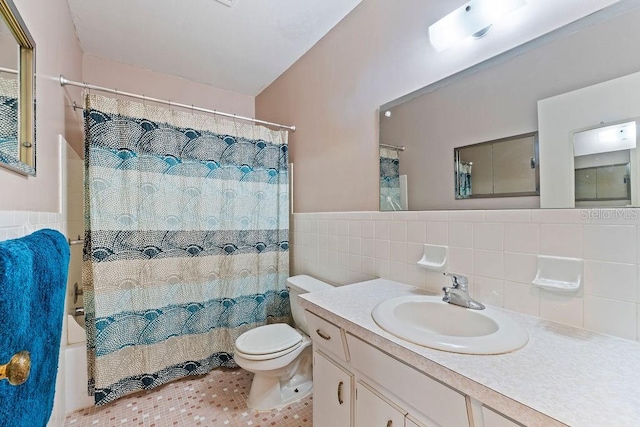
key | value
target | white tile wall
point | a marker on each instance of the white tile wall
(496, 249)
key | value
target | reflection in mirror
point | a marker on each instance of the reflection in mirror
(503, 168)
(393, 186)
(500, 97)
(9, 94)
(605, 162)
(17, 90)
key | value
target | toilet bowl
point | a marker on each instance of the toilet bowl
(280, 355)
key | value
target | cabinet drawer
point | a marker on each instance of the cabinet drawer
(493, 419)
(327, 336)
(434, 400)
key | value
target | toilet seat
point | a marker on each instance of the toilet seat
(268, 342)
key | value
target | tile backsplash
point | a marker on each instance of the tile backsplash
(497, 250)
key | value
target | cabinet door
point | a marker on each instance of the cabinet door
(332, 391)
(373, 411)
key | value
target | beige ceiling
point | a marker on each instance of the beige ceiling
(242, 48)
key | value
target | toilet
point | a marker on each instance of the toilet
(279, 355)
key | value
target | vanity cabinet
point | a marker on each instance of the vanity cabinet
(332, 393)
(358, 385)
(434, 403)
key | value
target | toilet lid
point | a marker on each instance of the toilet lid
(268, 339)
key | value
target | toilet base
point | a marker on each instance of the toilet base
(273, 389)
(268, 394)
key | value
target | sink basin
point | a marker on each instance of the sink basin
(430, 322)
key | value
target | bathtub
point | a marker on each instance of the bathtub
(76, 396)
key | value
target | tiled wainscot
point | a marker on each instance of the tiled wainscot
(497, 250)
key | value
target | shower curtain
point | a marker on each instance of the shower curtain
(186, 241)
(464, 180)
(389, 180)
(9, 93)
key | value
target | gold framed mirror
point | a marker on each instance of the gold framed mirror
(17, 93)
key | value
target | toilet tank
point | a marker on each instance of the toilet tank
(301, 285)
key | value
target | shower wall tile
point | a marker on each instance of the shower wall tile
(497, 250)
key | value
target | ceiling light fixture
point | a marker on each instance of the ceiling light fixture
(473, 19)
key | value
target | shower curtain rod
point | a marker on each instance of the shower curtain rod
(66, 82)
(394, 147)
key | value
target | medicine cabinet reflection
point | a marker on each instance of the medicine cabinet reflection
(505, 167)
(605, 163)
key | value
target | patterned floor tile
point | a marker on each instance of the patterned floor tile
(217, 399)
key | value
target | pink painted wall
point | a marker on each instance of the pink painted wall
(378, 53)
(111, 74)
(57, 52)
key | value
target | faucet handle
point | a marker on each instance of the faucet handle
(459, 281)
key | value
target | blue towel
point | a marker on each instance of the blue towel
(33, 281)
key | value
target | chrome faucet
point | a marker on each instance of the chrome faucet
(458, 293)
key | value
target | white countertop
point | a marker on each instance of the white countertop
(564, 375)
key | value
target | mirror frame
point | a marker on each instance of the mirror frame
(27, 80)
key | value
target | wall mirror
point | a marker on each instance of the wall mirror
(506, 167)
(500, 98)
(17, 92)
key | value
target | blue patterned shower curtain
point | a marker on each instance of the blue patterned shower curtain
(389, 180)
(463, 180)
(9, 94)
(186, 243)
